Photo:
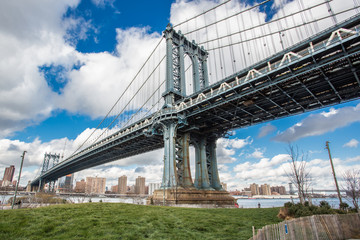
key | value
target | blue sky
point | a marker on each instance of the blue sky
(52, 93)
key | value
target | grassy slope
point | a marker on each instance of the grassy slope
(127, 221)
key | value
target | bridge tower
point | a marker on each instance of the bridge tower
(177, 186)
(48, 159)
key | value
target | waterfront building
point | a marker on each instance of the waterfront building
(224, 186)
(140, 185)
(95, 185)
(153, 187)
(69, 181)
(265, 189)
(122, 185)
(254, 188)
(66, 183)
(80, 186)
(8, 176)
(278, 189)
(131, 189)
(114, 189)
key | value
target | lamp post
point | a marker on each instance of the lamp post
(333, 171)
(17, 184)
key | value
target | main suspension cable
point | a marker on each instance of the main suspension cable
(128, 86)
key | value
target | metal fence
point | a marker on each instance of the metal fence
(317, 227)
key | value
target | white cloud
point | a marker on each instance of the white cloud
(226, 148)
(258, 153)
(318, 124)
(274, 171)
(266, 130)
(103, 3)
(34, 35)
(31, 35)
(353, 143)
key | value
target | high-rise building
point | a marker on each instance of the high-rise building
(254, 188)
(80, 186)
(279, 189)
(265, 189)
(291, 190)
(153, 187)
(69, 179)
(8, 176)
(140, 185)
(122, 184)
(95, 185)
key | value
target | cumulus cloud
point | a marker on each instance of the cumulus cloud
(31, 35)
(274, 171)
(40, 35)
(103, 3)
(266, 130)
(226, 148)
(353, 143)
(318, 124)
(258, 153)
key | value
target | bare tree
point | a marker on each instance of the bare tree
(352, 186)
(299, 175)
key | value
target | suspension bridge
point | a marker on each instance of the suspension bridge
(224, 69)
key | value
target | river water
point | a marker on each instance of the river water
(269, 203)
(243, 203)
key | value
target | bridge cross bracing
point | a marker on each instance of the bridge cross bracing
(319, 71)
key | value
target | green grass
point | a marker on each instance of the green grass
(127, 221)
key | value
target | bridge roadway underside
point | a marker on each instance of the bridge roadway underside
(133, 144)
(327, 77)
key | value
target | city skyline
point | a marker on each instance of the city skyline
(72, 54)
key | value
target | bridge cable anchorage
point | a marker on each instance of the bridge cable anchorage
(275, 32)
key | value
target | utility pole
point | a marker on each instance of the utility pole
(333, 171)
(17, 184)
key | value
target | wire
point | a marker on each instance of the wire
(279, 31)
(118, 98)
(266, 23)
(248, 9)
(209, 10)
(130, 101)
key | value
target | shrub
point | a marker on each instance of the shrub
(292, 210)
(324, 204)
